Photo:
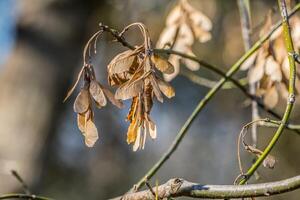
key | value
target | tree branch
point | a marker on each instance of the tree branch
(179, 187)
(290, 50)
(23, 196)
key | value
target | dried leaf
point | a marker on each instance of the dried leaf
(249, 62)
(166, 88)
(90, 134)
(200, 20)
(167, 36)
(111, 98)
(152, 129)
(132, 132)
(175, 62)
(283, 90)
(174, 16)
(127, 91)
(273, 69)
(156, 89)
(271, 97)
(122, 62)
(269, 162)
(82, 101)
(162, 65)
(256, 73)
(138, 141)
(97, 93)
(81, 122)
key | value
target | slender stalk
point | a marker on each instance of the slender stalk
(245, 18)
(23, 196)
(290, 49)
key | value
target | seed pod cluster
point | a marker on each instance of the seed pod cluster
(135, 74)
(184, 25)
(269, 66)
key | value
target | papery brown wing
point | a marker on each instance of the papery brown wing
(155, 88)
(81, 122)
(272, 68)
(82, 101)
(132, 112)
(127, 91)
(97, 93)
(162, 64)
(90, 134)
(166, 88)
(269, 162)
(271, 97)
(122, 62)
(257, 72)
(139, 139)
(75, 84)
(132, 132)
(111, 98)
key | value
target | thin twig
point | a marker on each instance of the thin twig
(290, 49)
(24, 196)
(23, 184)
(181, 188)
(245, 18)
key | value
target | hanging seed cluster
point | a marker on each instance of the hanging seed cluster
(135, 74)
(270, 64)
(184, 25)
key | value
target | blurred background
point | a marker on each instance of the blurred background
(41, 44)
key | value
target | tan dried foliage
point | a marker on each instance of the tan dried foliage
(135, 74)
(184, 26)
(269, 66)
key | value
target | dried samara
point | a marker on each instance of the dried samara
(134, 72)
(92, 91)
(184, 25)
(270, 65)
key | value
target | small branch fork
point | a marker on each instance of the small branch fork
(178, 187)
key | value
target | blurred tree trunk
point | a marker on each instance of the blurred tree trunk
(34, 81)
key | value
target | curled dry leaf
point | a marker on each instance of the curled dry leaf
(166, 88)
(162, 65)
(82, 101)
(122, 62)
(97, 93)
(271, 97)
(269, 162)
(90, 133)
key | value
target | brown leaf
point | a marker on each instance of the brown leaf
(139, 140)
(111, 98)
(132, 132)
(174, 16)
(162, 65)
(272, 69)
(156, 89)
(90, 134)
(82, 101)
(256, 73)
(269, 162)
(271, 97)
(166, 88)
(152, 129)
(122, 62)
(127, 91)
(249, 62)
(97, 93)
(81, 122)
